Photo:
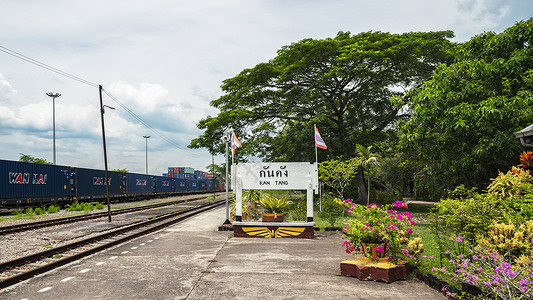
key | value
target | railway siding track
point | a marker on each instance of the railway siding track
(23, 268)
(47, 223)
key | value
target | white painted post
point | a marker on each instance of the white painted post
(309, 198)
(238, 198)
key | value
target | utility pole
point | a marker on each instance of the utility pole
(54, 96)
(105, 153)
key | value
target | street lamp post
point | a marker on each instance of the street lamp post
(146, 137)
(54, 96)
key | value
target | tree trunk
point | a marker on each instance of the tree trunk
(361, 187)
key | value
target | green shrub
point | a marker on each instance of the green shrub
(75, 206)
(87, 207)
(297, 211)
(53, 209)
(382, 197)
(468, 217)
(29, 212)
(99, 206)
(17, 212)
(331, 210)
(38, 211)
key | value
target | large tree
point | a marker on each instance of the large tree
(463, 119)
(342, 84)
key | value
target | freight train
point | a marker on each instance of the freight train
(31, 184)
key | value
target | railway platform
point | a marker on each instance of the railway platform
(192, 260)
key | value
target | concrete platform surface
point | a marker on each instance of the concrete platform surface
(192, 260)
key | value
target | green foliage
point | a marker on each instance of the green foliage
(381, 197)
(341, 84)
(17, 212)
(463, 118)
(467, 217)
(250, 204)
(53, 209)
(99, 206)
(396, 175)
(297, 211)
(29, 212)
(125, 170)
(331, 210)
(273, 204)
(337, 174)
(85, 207)
(38, 211)
(75, 206)
(31, 159)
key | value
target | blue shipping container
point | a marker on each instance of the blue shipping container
(22, 182)
(181, 185)
(193, 185)
(139, 184)
(165, 185)
(90, 183)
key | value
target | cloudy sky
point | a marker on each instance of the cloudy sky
(164, 60)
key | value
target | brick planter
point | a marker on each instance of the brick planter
(365, 269)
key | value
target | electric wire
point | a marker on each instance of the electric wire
(45, 66)
(147, 125)
(92, 84)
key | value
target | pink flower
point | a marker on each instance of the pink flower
(458, 239)
(409, 230)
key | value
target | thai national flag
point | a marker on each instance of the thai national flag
(234, 142)
(319, 141)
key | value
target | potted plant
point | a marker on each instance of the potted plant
(274, 208)
(373, 229)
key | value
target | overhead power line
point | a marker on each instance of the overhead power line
(154, 130)
(87, 82)
(45, 66)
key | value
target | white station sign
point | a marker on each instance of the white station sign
(276, 176)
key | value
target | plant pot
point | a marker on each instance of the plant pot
(272, 218)
(367, 246)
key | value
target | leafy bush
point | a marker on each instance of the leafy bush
(331, 210)
(467, 217)
(38, 211)
(75, 206)
(53, 209)
(29, 212)
(298, 211)
(87, 207)
(273, 204)
(99, 206)
(17, 212)
(382, 197)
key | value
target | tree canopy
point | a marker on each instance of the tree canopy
(342, 84)
(28, 158)
(463, 118)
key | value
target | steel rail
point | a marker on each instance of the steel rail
(47, 223)
(164, 221)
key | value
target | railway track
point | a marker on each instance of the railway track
(23, 268)
(47, 223)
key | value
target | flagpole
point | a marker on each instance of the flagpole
(316, 150)
(316, 160)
